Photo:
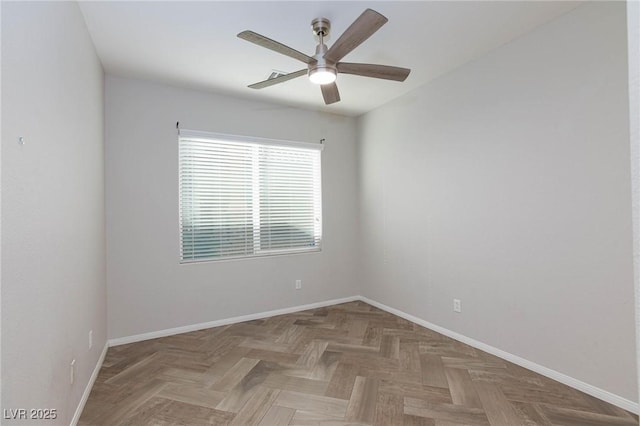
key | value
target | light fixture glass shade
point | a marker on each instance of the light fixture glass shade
(322, 76)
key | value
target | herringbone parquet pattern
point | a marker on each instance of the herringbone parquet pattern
(345, 364)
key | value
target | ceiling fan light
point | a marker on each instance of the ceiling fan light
(322, 76)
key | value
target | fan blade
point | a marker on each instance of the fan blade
(361, 29)
(278, 80)
(376, 71)
(263, 41)
(330, 93)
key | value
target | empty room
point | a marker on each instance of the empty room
(320, 213)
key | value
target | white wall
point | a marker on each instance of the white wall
(633, 40)
(506, 183)
(53, 255)
(148, 289)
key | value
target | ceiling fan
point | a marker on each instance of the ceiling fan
(324, 66)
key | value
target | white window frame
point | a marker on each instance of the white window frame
(257, 250)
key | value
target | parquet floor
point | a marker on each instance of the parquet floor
(344, 364)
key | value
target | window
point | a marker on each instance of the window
(243, 197)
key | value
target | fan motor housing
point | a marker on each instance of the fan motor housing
(321, 28)
(321, 64)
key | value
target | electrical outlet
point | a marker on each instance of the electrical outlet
(457, 306)
(90, 339)
(72, 371)
(298, 284)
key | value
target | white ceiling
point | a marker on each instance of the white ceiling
(194, 44)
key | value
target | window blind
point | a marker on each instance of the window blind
(244, 197)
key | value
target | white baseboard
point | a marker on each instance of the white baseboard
(594, 391)
(87, 389)
(200, 326)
